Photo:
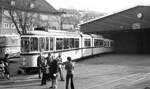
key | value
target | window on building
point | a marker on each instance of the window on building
(12, 3)
(32, 5)
(6, 25)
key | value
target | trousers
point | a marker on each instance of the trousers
(69, 77)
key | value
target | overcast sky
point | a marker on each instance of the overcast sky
(106, 6)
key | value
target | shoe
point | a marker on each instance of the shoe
(62, 80)
(50, 87)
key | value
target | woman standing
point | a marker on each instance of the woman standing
(69, 66)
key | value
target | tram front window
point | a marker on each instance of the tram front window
(34, 44)
(25, 47)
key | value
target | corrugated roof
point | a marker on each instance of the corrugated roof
(39, 6)
(137, 17)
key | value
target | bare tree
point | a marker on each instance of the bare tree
(23, 18)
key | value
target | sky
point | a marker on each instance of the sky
(105, 6)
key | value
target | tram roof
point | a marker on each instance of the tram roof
(137, 17)
(53, 33)
(96, 36)
(9, 35)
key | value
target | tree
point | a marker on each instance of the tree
(23, 18)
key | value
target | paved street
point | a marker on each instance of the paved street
(110, 71)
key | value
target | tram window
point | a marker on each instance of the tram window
(87, 43)
(47, 44)
(51, 43)
(76, 43)
(25, 44)
(98, 42)
(59, 44)
(41, 43)
(34, 44)
(106, 44)
(71, 42)
(111, 44)
(66, 43)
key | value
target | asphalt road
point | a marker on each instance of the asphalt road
(110, 71)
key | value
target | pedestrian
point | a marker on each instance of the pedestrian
(54, 73)
(49, 59)
(44, 70)
(39, 66)
(69, 66)
(6, 68)
(59, 59)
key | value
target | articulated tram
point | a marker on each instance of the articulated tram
(73, 44)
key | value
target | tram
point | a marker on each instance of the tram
(10, 44)
(73, 44)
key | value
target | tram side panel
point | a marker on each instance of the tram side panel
(97, 46)
(107, 46)
(70, 47)
(86, 46)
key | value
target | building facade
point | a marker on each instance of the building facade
(43, 15)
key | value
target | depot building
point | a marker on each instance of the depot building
(130, 29)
